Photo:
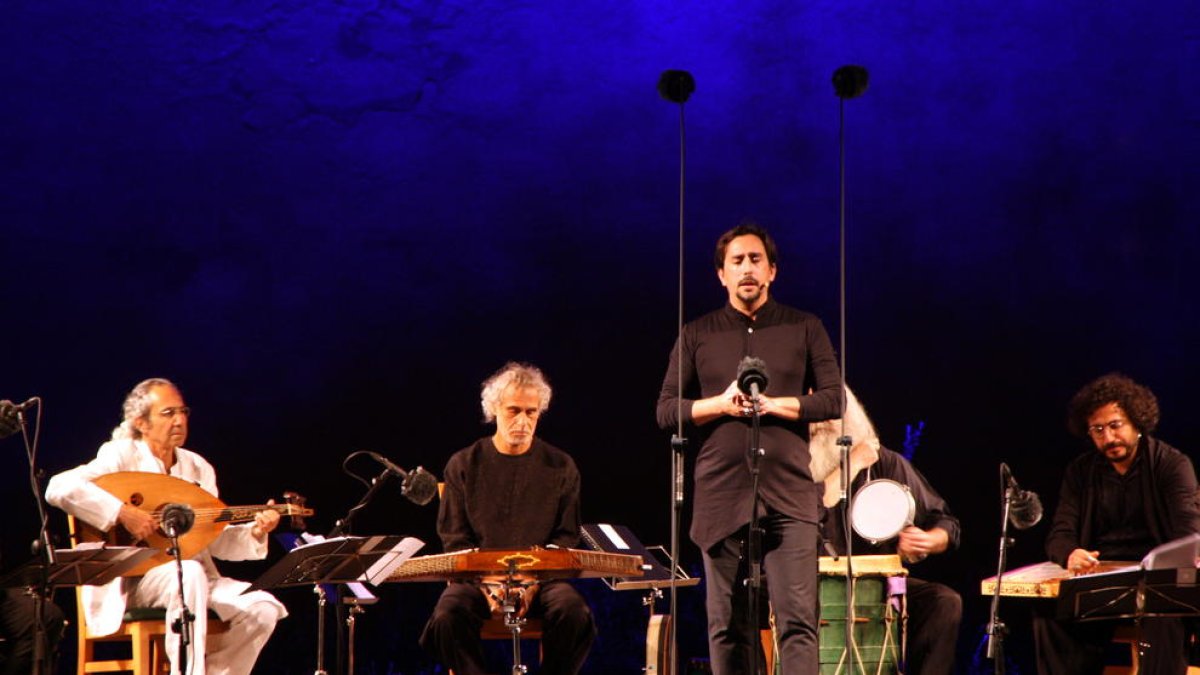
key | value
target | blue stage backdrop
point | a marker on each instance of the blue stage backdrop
(329, 221)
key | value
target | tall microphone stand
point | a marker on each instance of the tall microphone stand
(677, 86)
(848, 82)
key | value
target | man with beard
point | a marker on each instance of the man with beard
(799, 357)
(1132, 493)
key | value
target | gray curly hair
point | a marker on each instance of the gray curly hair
(137, 406)
(513, 374)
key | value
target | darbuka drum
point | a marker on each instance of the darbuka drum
(881, 509)
(879, 610)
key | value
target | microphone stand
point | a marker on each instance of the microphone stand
(42, 547)
(182, 623)
(754, 554)
(341, 527)
(996, 628)
(677, 87)
(844, 442)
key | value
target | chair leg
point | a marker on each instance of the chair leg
(140, 639)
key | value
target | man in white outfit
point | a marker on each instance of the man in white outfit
(149, 439)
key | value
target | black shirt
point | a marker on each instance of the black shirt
(799, 357)
(494, 500)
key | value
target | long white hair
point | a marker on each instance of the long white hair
(823, 436)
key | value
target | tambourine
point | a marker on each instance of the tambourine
(881, 509)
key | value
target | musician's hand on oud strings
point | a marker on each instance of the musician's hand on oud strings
(265, 521)
(1083, 562)
(137, 522)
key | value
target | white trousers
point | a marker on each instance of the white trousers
(252, 617)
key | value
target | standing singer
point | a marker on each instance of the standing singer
(799, 358)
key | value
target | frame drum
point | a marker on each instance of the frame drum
(881, 509)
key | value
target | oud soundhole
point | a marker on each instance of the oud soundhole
(136, 499)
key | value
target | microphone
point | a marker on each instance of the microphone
(1024, 506)
(676, 86)
(10, 421)
(752, 376)
(850, 81)
(418, 485)
(177, 519)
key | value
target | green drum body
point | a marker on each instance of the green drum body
(878, 625)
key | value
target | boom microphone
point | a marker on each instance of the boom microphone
(10, 421)
(676, 86)
(418, 486)
(752, 376)
(1024, 506)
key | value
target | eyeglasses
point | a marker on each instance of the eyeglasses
(1097, 430)
(170, 413)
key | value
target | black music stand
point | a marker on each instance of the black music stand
(620, 539)
(81, 566)
(339, 560)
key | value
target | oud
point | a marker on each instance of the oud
(151, 492)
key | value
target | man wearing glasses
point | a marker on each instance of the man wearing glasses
(150, 438)
(1132, 493)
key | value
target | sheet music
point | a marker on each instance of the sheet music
(388, 562)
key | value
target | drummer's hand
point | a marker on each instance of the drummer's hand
(916, 544)
(1083, 562)
(265, 521)
(137, 522)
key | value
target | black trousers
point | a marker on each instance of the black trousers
(934, 614)
(451, 635)
(17, 621)
(1071, 647)
(790, 562)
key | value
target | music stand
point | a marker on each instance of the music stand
(339, 560)
(620, 539)
(84, 565)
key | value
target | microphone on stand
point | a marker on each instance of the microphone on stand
(752, 376)
(10, 415)
(676, 86)
(177, 519)
(1024, 506)
(418, 486)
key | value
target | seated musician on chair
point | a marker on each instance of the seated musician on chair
(934, 610)
(1127, 494)
(149, 439)
(510, 490)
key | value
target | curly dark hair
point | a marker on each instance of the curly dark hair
(1137, 401)
(743, 228)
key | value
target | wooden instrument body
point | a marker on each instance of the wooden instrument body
(151, 492)
(538, 564)
(1041, 580)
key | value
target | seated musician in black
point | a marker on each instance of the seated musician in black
(934, 610)
(1128, 493)
(510, 490)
